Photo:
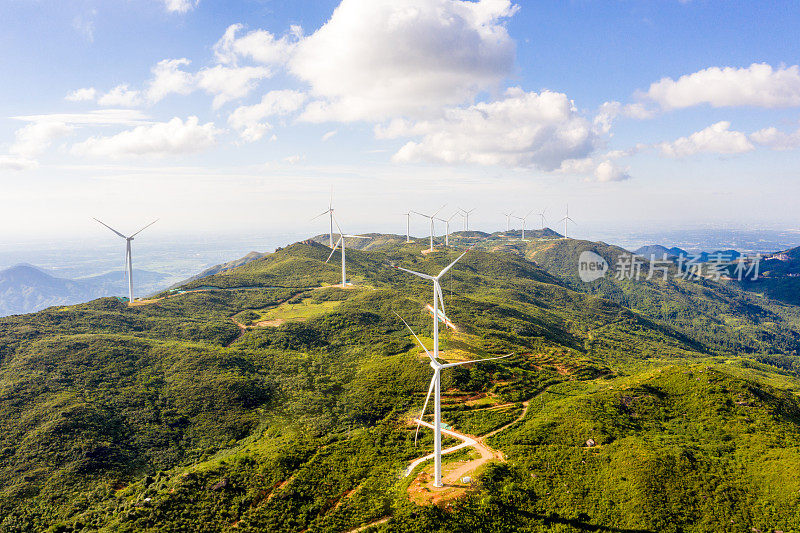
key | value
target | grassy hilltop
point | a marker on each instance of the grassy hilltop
(266, 398)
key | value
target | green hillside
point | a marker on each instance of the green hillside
(266, 398)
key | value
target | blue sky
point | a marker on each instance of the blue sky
(239, 116)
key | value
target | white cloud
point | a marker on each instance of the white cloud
(33, 139)
(16, 163)
(249, 120)
(609, 171)
(230, 83)
(168, 78)
(128, 117)
(84, 24)
(294, 159)
(180, 6)
(384, 58)
(523, 129)
(715, 139)
(776, 139)
(157, 140)
(758, 85)
(328, 135)
(260, 46)
(610, 111)
(81, 95)
(120, 96)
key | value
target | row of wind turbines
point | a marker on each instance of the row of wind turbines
(438, 312)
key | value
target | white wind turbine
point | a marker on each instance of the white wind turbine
(542, 216)
(508, 220)
(329, 212)
(432, 217)
(567, 220)
(436, 388)
(524, 219)
(128, 254)
(342, 242)
(447, 227)
(466, 217)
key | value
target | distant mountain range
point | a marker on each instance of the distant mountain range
(658, 251)
(26, 289)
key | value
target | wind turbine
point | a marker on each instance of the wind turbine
(447, 227)
(342, 242)
(508, 220)
(408, 225)
(542, 215)
(523, 219)
(328, 211)
(430, 217)
(567, 220)
(436, 387)
(466, 217)
(128, 254)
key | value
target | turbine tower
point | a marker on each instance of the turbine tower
(567, 220)
(508, 220)
(447, 227)
(523, 219)
(542, 216)
(342, 242)
(436, 388)
(408, 225)
(329, 212)
(128, 254)
(433, 216)
(466, 217)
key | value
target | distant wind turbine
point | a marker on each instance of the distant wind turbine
(436, 388)
(342, 242)
(567, 220)
(128, 254)
(542, 216)
(408, 225)
(329, 212)
(508, 220)
(466, 217)
(433, 216)
(447, 227)
(523, 219)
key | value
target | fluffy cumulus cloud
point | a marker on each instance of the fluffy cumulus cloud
(160, 139)
(120, 96)
(16, 163)
(230, 83)
(386, 58)
(168, 78)
(758, 85)
(260, 46)
(523, 129)
(250, 121)
(715, 139)
(33, 139)
(776, 139)
(81, 95)
(609, 171)
(180, 6)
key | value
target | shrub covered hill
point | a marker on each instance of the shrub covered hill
(265, 398)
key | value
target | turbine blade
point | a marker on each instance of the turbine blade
(420, 214)
(144, 228)
(425, 406)
(448, 267)
(356, 236)
(437, 211)
(321, 214)
(334, 249)
(112, 229)
(125, 265)
(341, 233)
(441, 296)
(448, 365)
(426, 276)
(419, 341)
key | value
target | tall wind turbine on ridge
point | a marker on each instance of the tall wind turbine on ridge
(433, 216)
(466, 217)
(508, 220)
(329, 212)
(542, 216)
(128, 254)
(567, 220)
(342, 242)
(523, 219)
(447, 227)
